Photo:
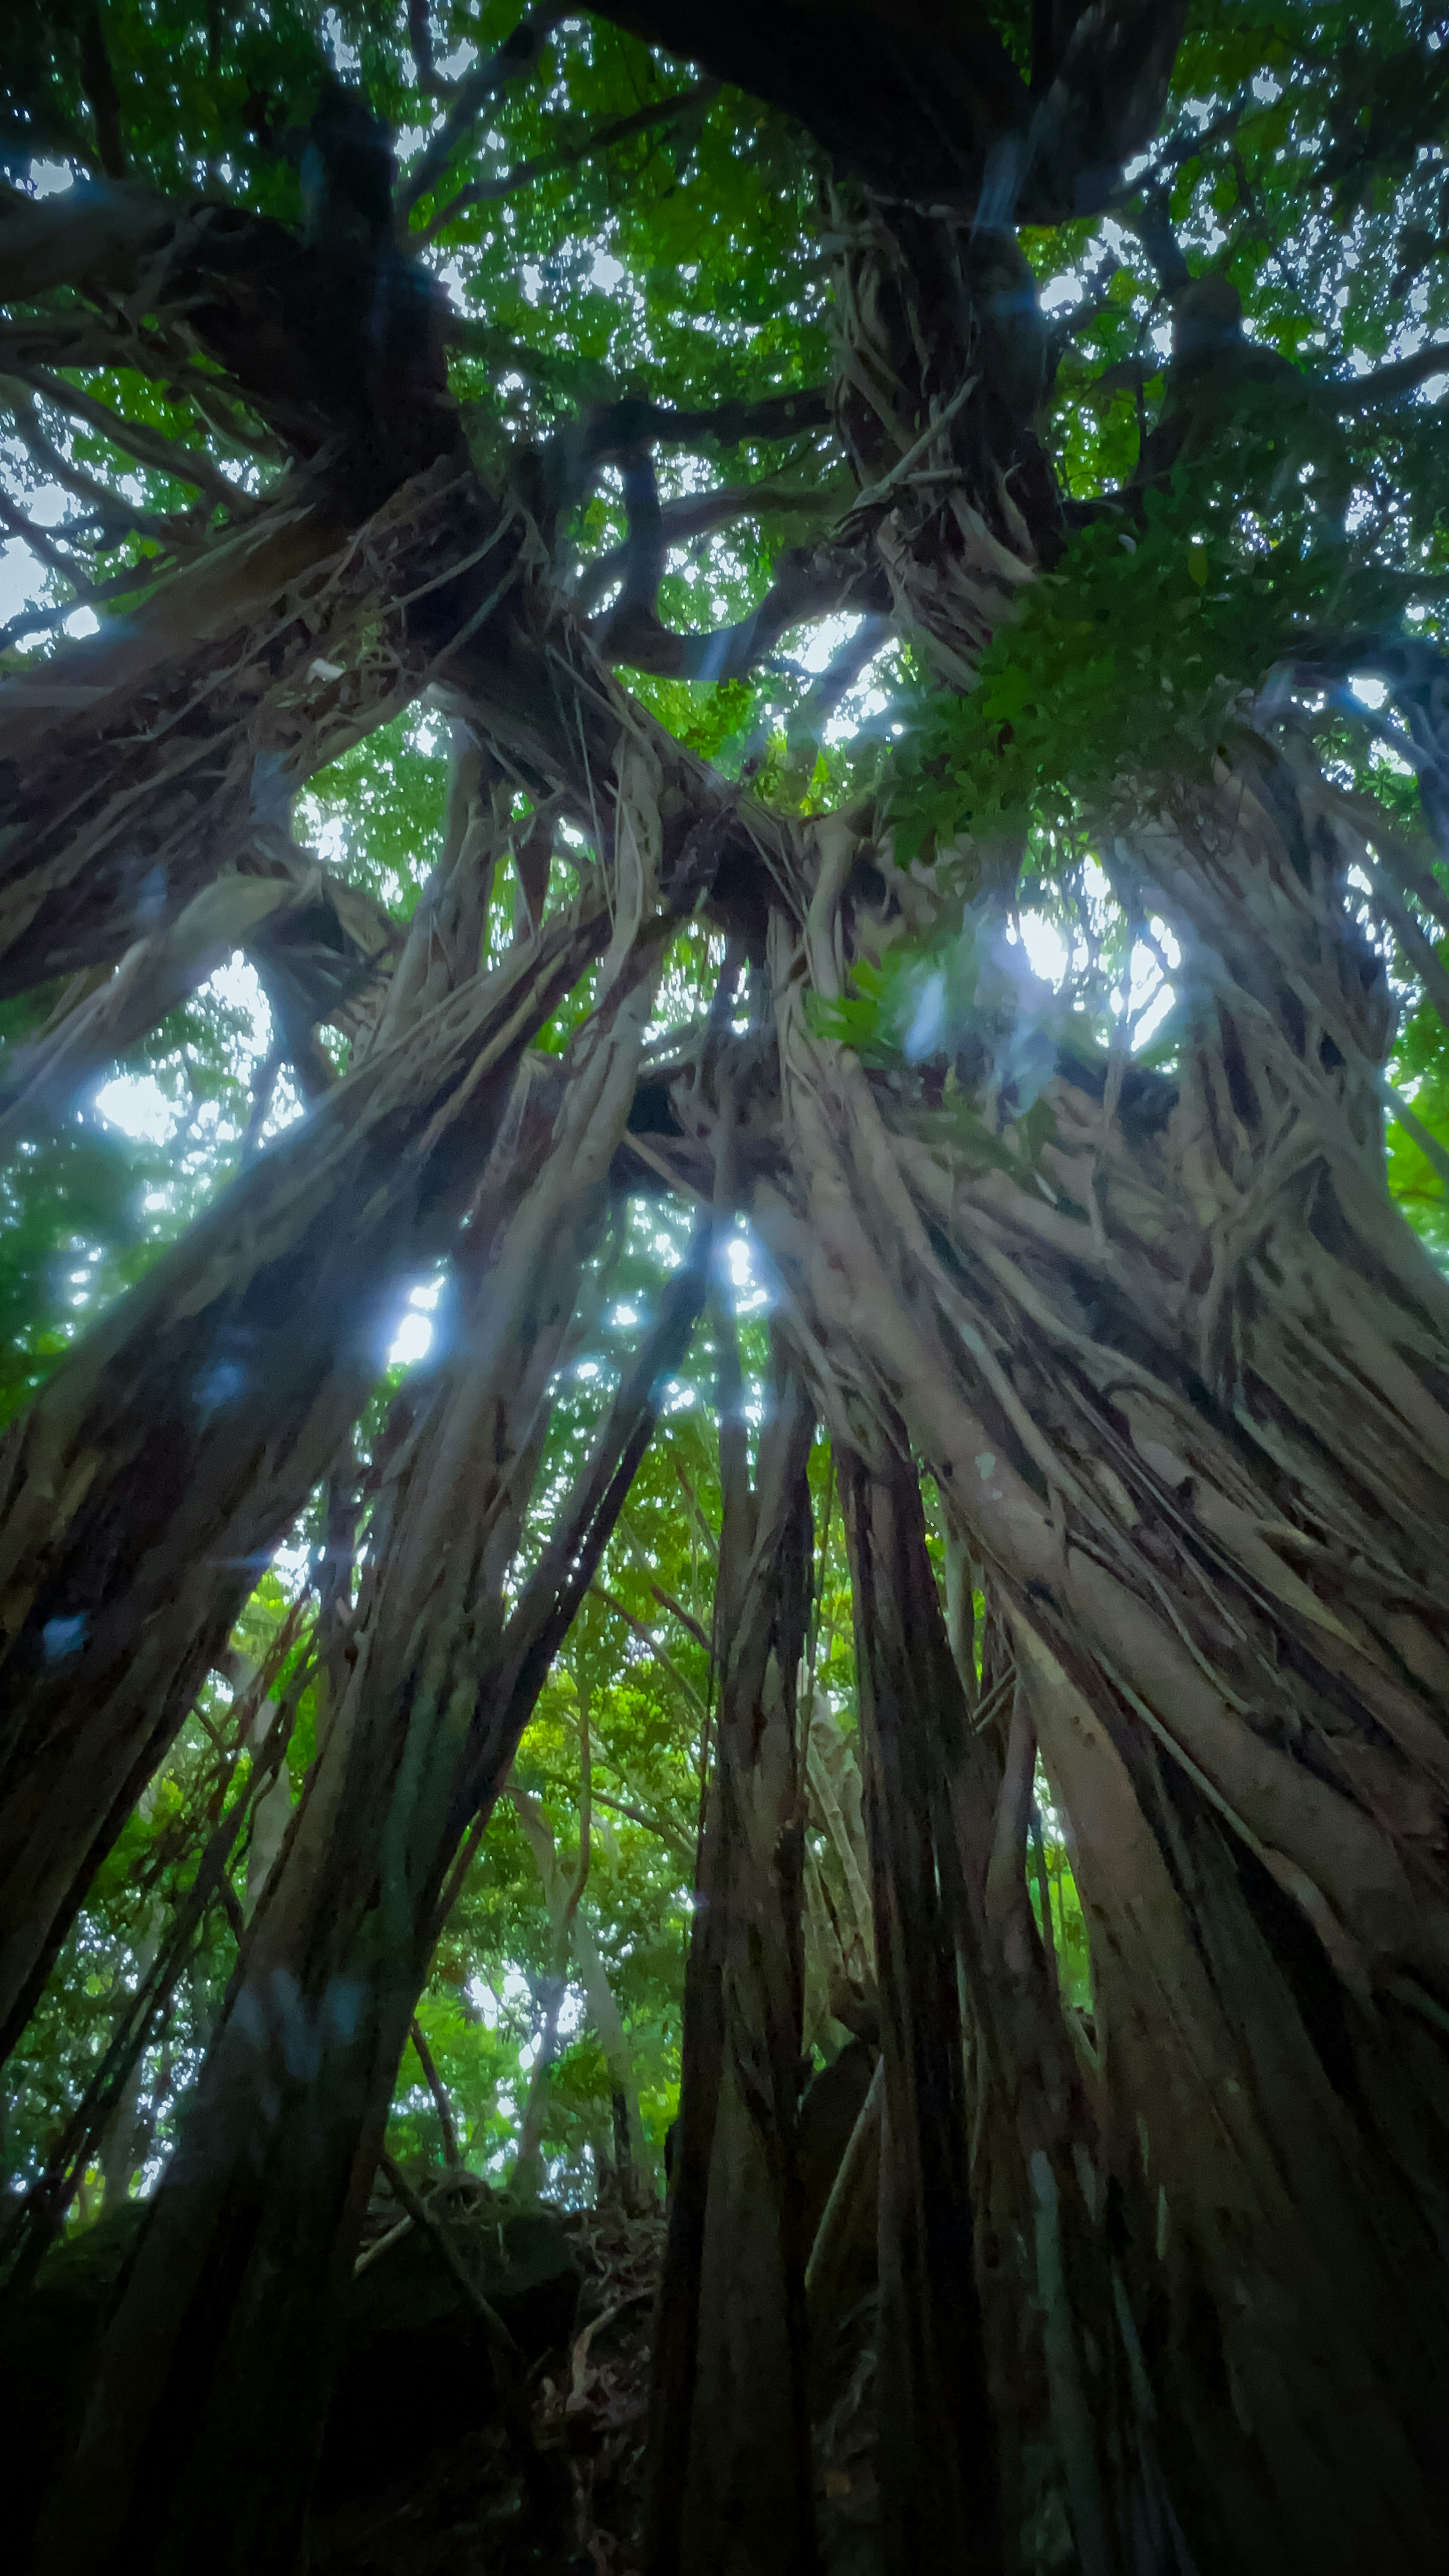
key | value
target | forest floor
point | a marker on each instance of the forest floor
(448, 2490)
(451, 2496)
(439, 2459)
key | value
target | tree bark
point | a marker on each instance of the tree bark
(291, 916)
(917, 100)
(160, 1465)
(253, 2234)
(730, 2479)
(1270, 1713)
(938, 2451)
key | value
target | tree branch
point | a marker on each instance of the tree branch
(840, 676)
(697, 514)
(645, 550)
(633, 423)
(911, 99)
(687, 1620)
(438, 2090)
(420, 46)
(91, 234)
(1104, 103)
(82, 339)
(421, 2216)
(1186, 143)
(111, 510)
(1360, 393)
(647, 1638)
(674, 1836)
(1152, 224)
(148, 446)
(68, 567)
(807, 587)
(1414, 1127)
(613, 433)
(549, 1602)
(99, 83)
(517, 54)
(30, 621)
(547, 165)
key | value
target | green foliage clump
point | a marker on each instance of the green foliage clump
(1124, 664)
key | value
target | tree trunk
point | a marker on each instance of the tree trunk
(160, 1465)
(254, 2231)
(136, 768)
(605, 2019)
(730, 2476)
(1252, 1761)
(938, 2463)
(563, 1898)
(1178, 1375)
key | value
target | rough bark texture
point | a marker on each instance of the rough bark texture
(129, 784)
(1272, 1730)
(162, 1464)
(938, 2449)
(729, 2431)
(253, 2234)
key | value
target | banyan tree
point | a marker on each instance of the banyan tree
(1072, 373)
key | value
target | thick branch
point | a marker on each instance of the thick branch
(438, 2090)
(89, 235)
(698, 514)
(99, 81)
(673, 1836)
(686, 1618)
(1385, 384)
(616, 433)
(634, 423)
(81, 339)
(926, 104)
(121, 585)
(806, 587)
(316, 940)
(1103, 105)
(420, 46)
(911, 99)
(69, 567)
(651, 1643)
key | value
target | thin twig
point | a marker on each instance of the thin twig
(418, 2210)
(686, 1618)
(1413, 1125)
(438, 2090)
(659, 1826)
(381, 2245)
(648, 1639)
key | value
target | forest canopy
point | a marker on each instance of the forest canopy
(724, 1129)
